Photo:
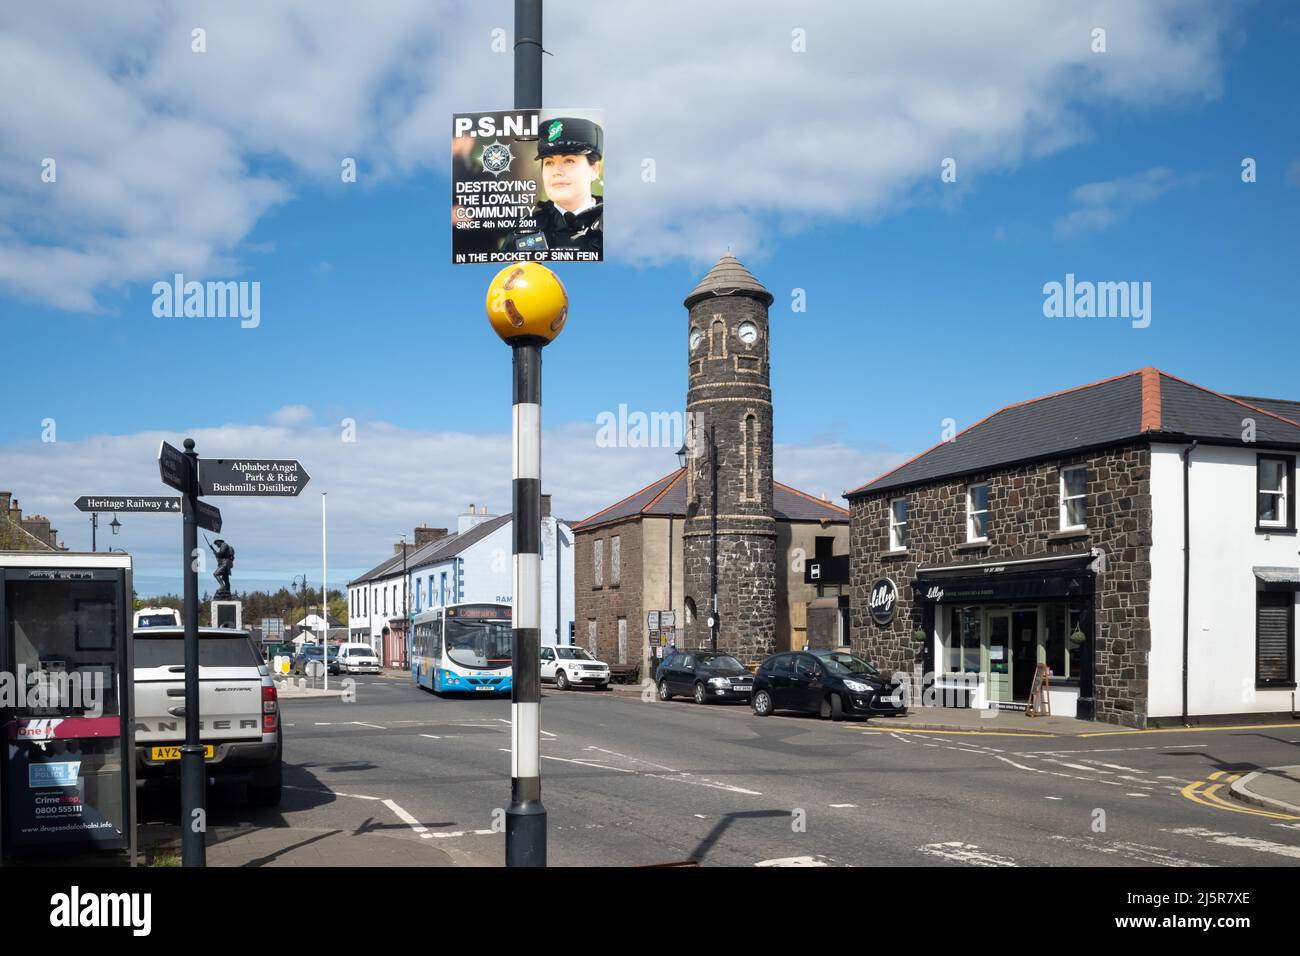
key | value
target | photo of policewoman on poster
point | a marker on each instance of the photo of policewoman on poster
(528, 186)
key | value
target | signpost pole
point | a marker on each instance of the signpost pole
(193, 813)
(324, 594)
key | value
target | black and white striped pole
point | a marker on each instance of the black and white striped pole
(527, 305)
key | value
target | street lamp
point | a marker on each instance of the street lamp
(115, 525)
(710, 454)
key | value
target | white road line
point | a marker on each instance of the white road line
(843, 806)
(657, 766)
(793, 861)
(1231, 839)
(1137, 794)
(587, 763)
(1115, 766)
(967, 853)
(406, 818)
(1141, 853)
(362, 723)
(431, 736)
(332, 793)
(1053, 798)
(1079, 766)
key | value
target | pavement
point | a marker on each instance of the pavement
(1274, 788)
(291, 846)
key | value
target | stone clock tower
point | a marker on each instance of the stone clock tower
(729, 412)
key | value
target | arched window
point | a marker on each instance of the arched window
(690, 610)
(749, 457)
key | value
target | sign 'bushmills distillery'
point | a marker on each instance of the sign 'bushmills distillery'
(258, 477)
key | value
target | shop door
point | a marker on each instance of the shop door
(1024, 652)
(998, 630)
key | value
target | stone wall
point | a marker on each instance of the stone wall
(609, 602)
(1024, 521)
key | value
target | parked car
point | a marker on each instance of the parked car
(566, 665)
(240, 727)
(312, 652)
(705, 676)
(355, 658)
(830, 683)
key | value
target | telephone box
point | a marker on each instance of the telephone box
(67, 767)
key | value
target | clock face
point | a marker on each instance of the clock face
(748, 333)
(696, 336)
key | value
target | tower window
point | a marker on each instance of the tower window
(718, 338)
(749, 457)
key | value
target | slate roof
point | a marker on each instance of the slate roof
(666, 498)
(1148, 404)
(728, 277)
(454, 544)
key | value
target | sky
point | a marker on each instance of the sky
(810, 139)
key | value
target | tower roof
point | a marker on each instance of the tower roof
(728, 277)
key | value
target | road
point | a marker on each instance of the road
(632, 782)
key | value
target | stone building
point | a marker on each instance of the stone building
(651, 554)
(17, 533)
(1054, 533)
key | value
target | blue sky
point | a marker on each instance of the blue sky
(924, 299)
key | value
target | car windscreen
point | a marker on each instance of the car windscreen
(721, 662)
(361, 652)
(573, 654)
(232, 651)
(843, 664)
(158, 620)
(483, 645)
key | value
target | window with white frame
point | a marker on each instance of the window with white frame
(898, 524)
(1074, 498)
(977, 512)
(598, 563)
(1273, 486)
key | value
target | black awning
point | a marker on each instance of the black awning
(1059, 582)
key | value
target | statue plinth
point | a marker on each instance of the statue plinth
(228, 614)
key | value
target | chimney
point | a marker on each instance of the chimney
(15, 513)
(546, 506)
(424, 535)
(4, 502)
(476, 516)
(38, 526)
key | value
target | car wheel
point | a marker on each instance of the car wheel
(700, 695)
(561, 680)
(837, 707)
(663, 691)
(762, 703)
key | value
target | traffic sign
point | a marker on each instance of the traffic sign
(207, 517)
(252, 477)
(175, 467)
(130, 504)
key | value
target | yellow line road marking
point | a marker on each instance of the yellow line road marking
(1184, 730)
(1216, 775)
(1209, 798)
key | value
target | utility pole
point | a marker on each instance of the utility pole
(193, 796)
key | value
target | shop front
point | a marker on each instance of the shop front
(992, 623)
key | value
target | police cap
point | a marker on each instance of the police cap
(568, 135)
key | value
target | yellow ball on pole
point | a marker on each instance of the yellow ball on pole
(526, 300)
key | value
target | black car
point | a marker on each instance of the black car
(312, 652)
(829, 683)
(704, 675)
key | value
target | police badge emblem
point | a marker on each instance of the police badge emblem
(496, 158)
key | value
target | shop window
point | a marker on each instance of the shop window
(1275, 476)
(962, 654)
(898, 524)
(1063, 653)
(1074, 499)
(977, 513)
(1275, 638)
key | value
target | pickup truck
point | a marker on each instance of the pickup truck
(238, 709)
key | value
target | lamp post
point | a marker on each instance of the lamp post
(406, 607)
(115, 525)
(527, 306)
(94, 526)
(689, 449)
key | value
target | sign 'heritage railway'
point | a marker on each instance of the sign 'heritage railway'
(252, 477)
(130, 504)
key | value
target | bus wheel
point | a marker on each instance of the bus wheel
(561, 680)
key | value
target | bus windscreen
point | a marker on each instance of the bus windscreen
(483, 645)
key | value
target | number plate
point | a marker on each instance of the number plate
(174, 753)
(481, 687)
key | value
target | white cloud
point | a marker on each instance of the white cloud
(387, 482)
(167, 158)
(290, 415)
(1103, 204)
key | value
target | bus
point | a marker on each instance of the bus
(463, 649)
(157, 617)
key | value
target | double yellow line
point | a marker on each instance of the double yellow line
(1209, 797)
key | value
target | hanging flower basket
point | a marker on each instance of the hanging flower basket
(919, 635)
(1078, 637)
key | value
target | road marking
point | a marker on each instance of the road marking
(362, 723)
(406, 818)
(449, 834)
(1149, 855)
(966, 733)
(844, 806)
(1183, 730)
(657, 766)
(431, 736)
(1079, 766)
(587, 763)
(1053, 798)
(1231, 839)
(332, 793)
(1209, 798)
(1137, 794)
(968, 853)
(793, 861)
(1116, 766)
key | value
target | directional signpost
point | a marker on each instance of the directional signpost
(215, 477)
(130, 504)
(252, 477)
